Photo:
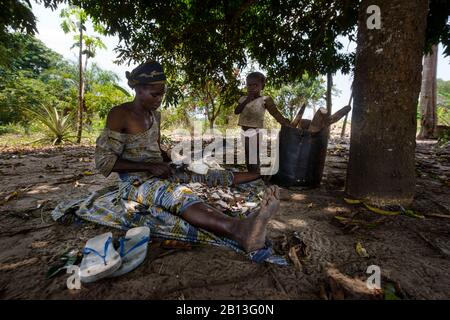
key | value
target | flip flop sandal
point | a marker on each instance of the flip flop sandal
(133, 249)
(100, 260)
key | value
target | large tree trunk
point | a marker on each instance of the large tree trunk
(386, 89)
(428, 96)
(80, 88)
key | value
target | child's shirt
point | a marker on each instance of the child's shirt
(253, 114)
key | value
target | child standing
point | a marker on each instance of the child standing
(251, 110)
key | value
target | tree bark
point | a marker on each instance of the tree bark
(80, 88)
(428, 96)
(329, 91)
(386, 88)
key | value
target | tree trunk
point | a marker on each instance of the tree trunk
(329, 93)
(80, 88)
(428, 96)
(87, 114)
(386, 88)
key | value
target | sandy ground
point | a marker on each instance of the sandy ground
(413, 254)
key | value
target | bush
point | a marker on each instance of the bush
(57, 127)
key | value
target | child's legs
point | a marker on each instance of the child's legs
(251, 146)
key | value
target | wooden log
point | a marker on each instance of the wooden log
(299, 116)
(338, 115)
(319, 121)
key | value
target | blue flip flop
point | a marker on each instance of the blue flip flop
(133, 249)
(100, 260)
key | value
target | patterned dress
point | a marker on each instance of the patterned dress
(140, 199)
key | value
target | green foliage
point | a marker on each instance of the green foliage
(102, 97)
(28, 53)
(211, 37)
(291, 96)
(176, 117)
(444, 138)
(38, 76)
(73, 18)
(103, 91)
(74, 21)
(21, 91)
(30, 78)
(57, 127)
(438, 25)
(443, 102)
(14, 15)
(11, 128)
(17, 15)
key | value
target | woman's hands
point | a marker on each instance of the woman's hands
(160, 169)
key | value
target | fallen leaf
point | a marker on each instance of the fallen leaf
(352, 201)
(40, 203)
(293, 256)
(69, 258)
(39, 244)
(9, 197)
(412, 214)
(381, 211)
(361, 251)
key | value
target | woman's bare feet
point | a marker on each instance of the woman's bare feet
(251, 233)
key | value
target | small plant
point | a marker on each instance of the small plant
(444, 136)
(57, 127)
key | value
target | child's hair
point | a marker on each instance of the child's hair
(257, 75)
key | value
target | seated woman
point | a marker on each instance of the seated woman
(130, 146)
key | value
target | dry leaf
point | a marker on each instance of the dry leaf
(39, 244)
(361, 251)
(293, 256)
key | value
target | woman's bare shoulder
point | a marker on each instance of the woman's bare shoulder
(117, 117)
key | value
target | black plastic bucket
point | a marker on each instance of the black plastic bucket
(301, 157)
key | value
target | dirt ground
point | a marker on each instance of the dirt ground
(413, 254)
